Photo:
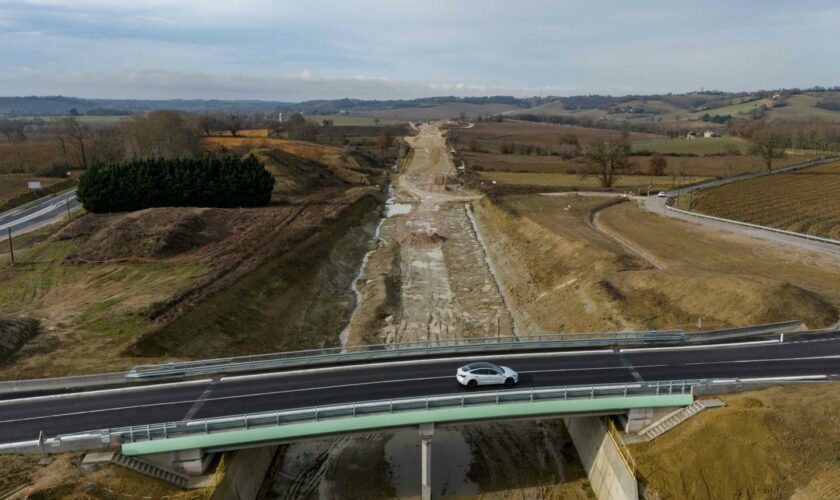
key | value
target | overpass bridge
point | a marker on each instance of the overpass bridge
(222, 408)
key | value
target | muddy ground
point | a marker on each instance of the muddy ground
(428, 278)
(502, 460)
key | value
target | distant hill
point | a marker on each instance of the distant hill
(60, 105)
(660, 108)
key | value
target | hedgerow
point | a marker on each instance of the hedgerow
(202, 182)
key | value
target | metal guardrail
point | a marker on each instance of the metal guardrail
(756, 226)
(402, 349)
(107, 438)
(318, 413)
(337, 355)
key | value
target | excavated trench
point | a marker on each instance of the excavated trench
(426, 276)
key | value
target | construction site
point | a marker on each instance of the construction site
(422, 252)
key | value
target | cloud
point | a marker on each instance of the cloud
(296, 49)
(157, 84)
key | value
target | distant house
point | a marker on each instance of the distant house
(710, 133)
(691, 135)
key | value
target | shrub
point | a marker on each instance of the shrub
(206, 182)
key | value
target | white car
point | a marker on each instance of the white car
(661, 194)
(481, 373)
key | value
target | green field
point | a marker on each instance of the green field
(733, 110)
(579, 181)
(699, 146)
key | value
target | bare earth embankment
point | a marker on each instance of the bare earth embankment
(115, 290)
(582, 279)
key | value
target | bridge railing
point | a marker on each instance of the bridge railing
(403, 349)
(474, 345)
(350, 410)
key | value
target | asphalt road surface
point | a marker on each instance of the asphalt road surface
(48, 210)
(22, 419)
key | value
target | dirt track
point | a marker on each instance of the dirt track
(445, 287)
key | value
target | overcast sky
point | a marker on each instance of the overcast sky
(311, 49)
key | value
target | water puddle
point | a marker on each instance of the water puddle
(391, 209)
(451, 461)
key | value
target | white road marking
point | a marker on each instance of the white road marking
(701, 346)
(380, 382)
(104, 391)
(759, 360)
(474, 357)
(199, 402)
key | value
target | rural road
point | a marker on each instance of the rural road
(22, 419)
(658, 205)
(45, 211)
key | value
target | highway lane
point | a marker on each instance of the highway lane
(44, 211)
(23, 419)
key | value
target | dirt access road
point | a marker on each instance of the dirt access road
(442, 286)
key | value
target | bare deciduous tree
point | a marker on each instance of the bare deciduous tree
(77, 134)
(658, 164)
(769, 145)
(160, 134)
(606, 160)
(205, 124)
(16, 136)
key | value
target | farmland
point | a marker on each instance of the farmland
(443, 111)
(700, 146)
(354, 120)
(805, 201)
(32, 156)
(14, 185)
(576, 181)
(491, 136)
(481, 149)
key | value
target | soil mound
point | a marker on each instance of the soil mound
(14, 333)
(153, 233)
(295, 174)
(420, 239)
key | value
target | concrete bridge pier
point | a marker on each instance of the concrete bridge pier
(426, 432)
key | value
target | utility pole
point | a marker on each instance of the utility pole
(11, 247)
(67, 203)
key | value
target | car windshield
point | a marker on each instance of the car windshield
(476, 366)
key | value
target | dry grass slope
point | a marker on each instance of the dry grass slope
(772, 443)
(564, 275)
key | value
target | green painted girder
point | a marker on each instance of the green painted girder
(402, 419)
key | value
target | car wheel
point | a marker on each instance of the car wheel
(509, 382)
(472, 384)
